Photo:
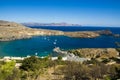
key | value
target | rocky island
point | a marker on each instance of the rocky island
(11, 31)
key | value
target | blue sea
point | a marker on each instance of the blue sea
(44, 45)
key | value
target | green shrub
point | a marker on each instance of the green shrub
(59, 57)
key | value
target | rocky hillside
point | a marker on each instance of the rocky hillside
(12, 31)
(96, 52)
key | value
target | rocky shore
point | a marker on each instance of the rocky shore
(11, 31)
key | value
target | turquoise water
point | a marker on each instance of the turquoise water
(43, 45)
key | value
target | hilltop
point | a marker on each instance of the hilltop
(11, 31)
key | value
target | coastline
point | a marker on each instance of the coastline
(85, 52)
(12, 31)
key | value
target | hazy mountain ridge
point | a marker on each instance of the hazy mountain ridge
(49, 24)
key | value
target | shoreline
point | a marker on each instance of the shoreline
(87, 51)
(11, 31)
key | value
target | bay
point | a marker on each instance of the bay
(44, 45)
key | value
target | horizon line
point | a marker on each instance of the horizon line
(82, 25)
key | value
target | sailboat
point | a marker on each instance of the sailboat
(36, 53)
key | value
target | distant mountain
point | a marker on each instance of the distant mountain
(50, 24)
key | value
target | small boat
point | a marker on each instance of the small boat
(54, 42)
(36, 53)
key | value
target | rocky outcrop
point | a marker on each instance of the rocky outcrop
(104, 32)
(82, 34)
(116, 35)
(96, 52)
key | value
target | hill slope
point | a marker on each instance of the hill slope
(11, 31)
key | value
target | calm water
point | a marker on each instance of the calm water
(44, 45)
(82, 28)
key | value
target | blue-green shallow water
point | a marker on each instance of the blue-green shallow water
(43, 45)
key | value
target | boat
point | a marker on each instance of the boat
(36, 53)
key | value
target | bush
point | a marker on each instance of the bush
(105, 61)
(30, 64)
(6, 69)
(75, 52)
(59, 57)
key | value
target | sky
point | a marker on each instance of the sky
(84, 12)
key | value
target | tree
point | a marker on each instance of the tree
(6, 69)
(15, 75)
(31, 67)
(59, 57)
(30, 64)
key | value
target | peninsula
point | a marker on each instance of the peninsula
(12, 31)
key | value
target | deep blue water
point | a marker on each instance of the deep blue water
(80, 28)
(43, 45)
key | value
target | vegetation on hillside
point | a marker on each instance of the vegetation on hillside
(33, 68)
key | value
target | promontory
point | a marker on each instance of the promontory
(11, 31)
